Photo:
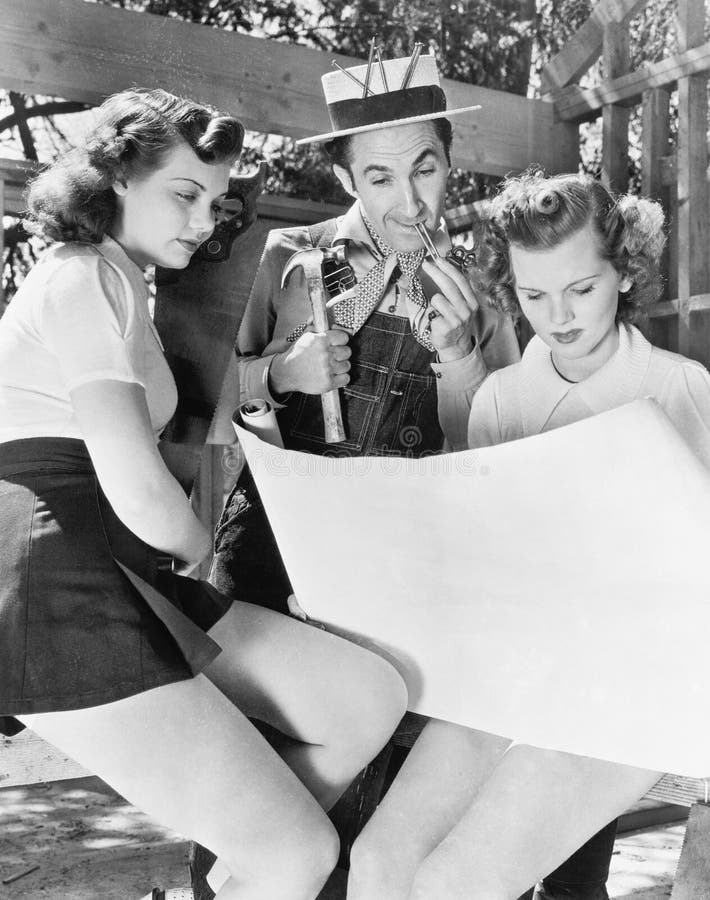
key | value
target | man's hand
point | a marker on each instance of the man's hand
(456, 305)
(316, 363)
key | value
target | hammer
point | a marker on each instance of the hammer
(311, 261)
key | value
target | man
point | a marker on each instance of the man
(409, 343)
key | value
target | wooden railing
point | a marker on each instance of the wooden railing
(676, 177)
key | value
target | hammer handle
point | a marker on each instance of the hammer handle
(332, 415)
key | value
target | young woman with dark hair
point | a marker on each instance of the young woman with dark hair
(146, 678)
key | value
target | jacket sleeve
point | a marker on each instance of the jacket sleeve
(271, 314)
(458, 381)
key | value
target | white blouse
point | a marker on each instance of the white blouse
(81, 315)
(531, 397)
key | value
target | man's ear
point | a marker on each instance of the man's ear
(120, 187)
(345, 178)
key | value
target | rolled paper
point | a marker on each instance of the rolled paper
(258, 417)
(591, 637)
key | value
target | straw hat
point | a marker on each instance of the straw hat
(387, 101)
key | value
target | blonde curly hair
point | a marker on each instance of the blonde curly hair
(536, 211)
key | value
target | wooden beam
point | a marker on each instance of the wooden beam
(2, 239)
(18, 106)
(692, 214)
(575, 104)
(85, 51)
(697, 303)
(615, 124)
(15, 173)
(654, 142)
(585, 45)
(27, 759)
(655, 139)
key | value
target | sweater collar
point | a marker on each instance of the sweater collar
(617, 382)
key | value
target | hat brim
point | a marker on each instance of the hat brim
(443, 114)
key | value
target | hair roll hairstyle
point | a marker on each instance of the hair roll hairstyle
(73, 199)
(538, 212)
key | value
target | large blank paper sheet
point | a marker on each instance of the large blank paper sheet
(553, 590)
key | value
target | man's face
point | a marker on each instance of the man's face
(399, 175)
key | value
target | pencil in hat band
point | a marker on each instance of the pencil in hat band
(390, 107)
(368, 97)
(347, 84)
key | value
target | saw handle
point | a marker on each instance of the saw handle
(332, 415)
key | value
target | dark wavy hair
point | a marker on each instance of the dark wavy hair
(536, 212)
(339, 150)
(73, 199)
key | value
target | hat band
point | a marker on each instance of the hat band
(387, 108)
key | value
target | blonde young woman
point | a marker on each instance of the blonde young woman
(148, 679)
(470, 815)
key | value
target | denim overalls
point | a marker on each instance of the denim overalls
(389, 409)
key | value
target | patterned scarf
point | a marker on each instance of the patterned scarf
(352, 312)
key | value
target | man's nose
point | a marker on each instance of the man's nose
(410, 201)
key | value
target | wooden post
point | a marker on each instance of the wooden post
(693, 874)
(208, 494)
(2, 239)
(693, 265)
(615, 119)
(654, 146)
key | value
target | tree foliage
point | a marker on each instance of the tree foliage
(501, 44)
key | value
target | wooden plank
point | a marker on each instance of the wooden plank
(696, 303)
(585, 45)
(693, 874)
(27, 759)
(655, 139)
(615, 119)
(2, 239)
(650, 814)
(15, 173)
(85, 51)
(692, 214)
(207, 496)
(575, 104)
(278, 207)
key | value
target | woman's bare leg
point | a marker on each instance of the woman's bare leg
(433, 789)
(338, 702)
(536, 808)
(189, 758)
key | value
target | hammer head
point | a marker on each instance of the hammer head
(310, 260)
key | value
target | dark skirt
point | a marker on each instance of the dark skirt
(89, 613)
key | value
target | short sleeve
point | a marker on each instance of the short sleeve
(484, 420)
(685, 398)
(87, 319)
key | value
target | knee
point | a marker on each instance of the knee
(370, 863)
(296, 864)
(434, 881)
(384, 702)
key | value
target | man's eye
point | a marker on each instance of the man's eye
(379, 182)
